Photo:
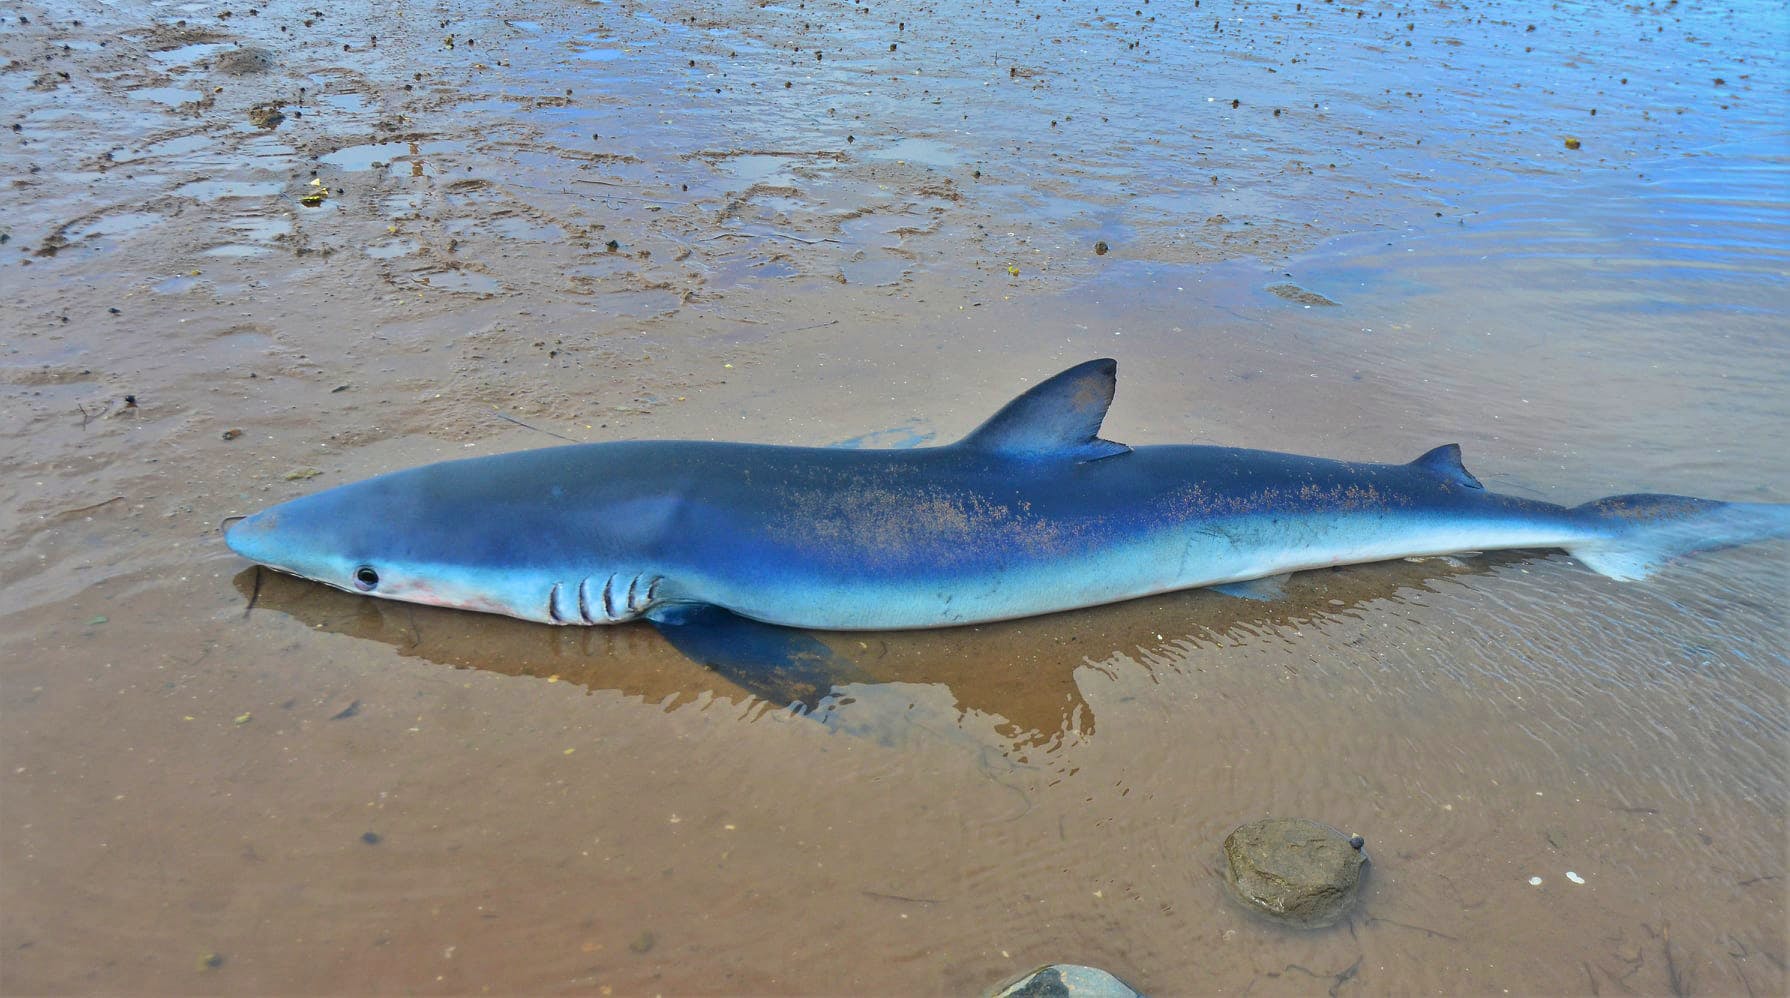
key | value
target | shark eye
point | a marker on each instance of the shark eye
(365, 579)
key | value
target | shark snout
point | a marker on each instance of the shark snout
(251, 536)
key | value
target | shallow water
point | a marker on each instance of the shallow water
(329, 793)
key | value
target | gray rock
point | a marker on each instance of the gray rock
(1067, 980)
(1297, 872)
(266, 116)
(246, 61)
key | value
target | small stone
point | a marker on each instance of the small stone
(1100, 248)
(642, 943)
(246, 61)
(370, 838)
(211, 961)
(1066, 980)
(232, 433)
(1296, 294)
(1297, 872)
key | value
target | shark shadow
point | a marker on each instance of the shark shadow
(1020, 673)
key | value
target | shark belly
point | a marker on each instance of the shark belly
(1239, 551)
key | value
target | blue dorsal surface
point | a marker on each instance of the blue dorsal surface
(1058, 419)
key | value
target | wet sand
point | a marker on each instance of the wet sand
(221, 781)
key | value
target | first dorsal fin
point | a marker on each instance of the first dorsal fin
(1446, 461)
(1059, 418)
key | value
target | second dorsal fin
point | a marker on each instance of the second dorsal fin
(1446, 461)
(1059, 418)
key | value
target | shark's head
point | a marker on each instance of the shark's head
(392, 537)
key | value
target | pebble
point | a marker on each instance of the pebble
(1066, 980)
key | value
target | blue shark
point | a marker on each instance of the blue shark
(724, 545)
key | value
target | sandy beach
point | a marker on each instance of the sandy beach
(255, 250)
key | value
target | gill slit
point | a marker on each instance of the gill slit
(634, 602)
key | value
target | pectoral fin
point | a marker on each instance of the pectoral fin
(1263, 590)
(777, 664)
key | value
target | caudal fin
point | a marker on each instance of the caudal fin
(1639, 533)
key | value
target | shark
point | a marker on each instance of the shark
(735, 550)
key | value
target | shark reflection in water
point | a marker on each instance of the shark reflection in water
(1015, 686)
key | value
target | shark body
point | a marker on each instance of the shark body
(1031, 513)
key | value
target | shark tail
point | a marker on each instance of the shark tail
(1636, 534)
